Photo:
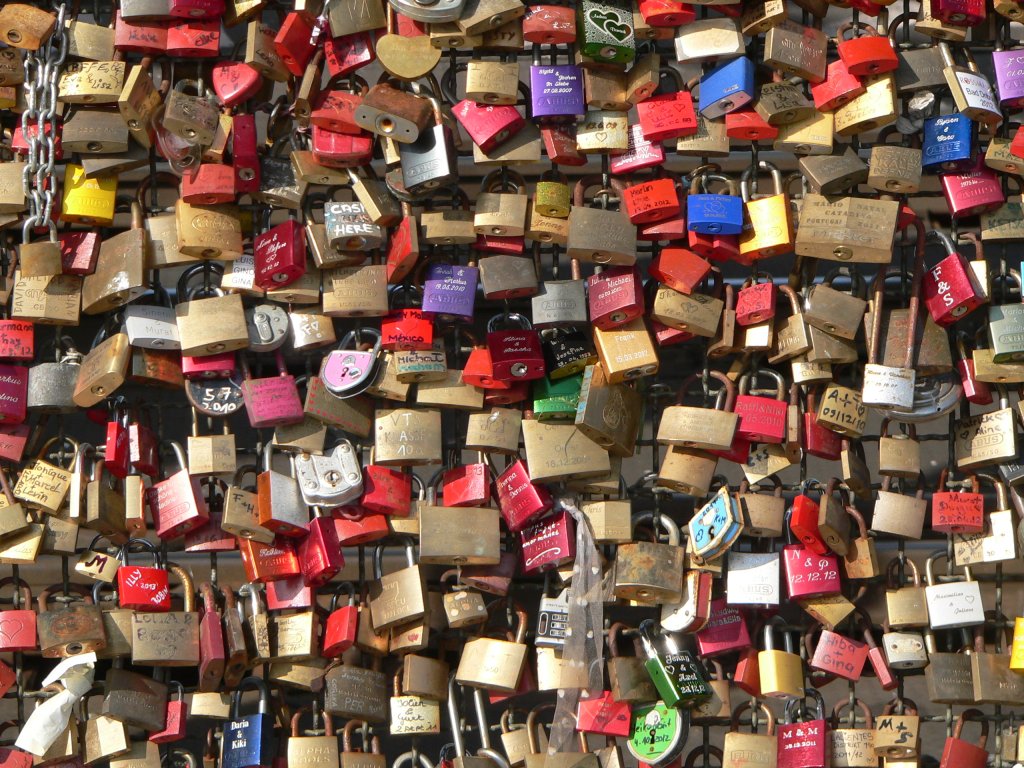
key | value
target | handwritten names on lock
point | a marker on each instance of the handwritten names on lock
(413, 714)
(43, 485)
(90, 76)
(407, 435)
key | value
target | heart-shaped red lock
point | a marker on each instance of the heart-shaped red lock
(235, 81)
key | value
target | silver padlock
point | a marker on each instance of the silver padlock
(552, 618)
(560, 302)
(151, 326)
(268, 327)
(332, 479)
(953, 604)
(905, 650)
(753, 578)
(437, 12)
(52, 385)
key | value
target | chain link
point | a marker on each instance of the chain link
(41, 69)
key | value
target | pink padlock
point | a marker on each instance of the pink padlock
(548, 543)
(272, 401)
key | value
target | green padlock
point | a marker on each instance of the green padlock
(604, 30)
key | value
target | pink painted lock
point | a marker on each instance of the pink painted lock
(548, 543)
(13, 393)
(272, 401)
(809, 574)
(725, 632)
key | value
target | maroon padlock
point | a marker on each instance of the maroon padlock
(13, 393)
(519, 499)
(488, 125)
(517, 355)
(79, 250)
(280, 255)
(271, 401)
(615, 296)
(802, 739)
(809, 574)
(212, 650)
(548, 543)
(118, 448)
(295, 41)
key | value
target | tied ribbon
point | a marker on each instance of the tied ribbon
(584, 634)
(48, 721)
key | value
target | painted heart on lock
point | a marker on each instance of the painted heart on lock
(610, 22)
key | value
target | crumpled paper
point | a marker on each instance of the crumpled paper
(48, 720)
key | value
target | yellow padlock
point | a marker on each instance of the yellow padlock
(87, 201)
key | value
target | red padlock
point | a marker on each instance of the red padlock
(972, 192)
(268, 562)
(602, 714)
(212, 650)
(668, 115)
(725, 631)
(519, 499)
(117, 449)
(513, 245)
(143, 448)
(143, 588)
(280, 255)
(295, 41)
(876, 656)
(866, 54)
(13, 393)
(289, 592)
(386, 490)
(560, 145)
(640, 153)
(334, 111)
(517, 355)
(403, 250)
(761, 419)
(79, 250)
(548, 543)
(479, 370)
(615, 296)
(341, 150)
(144, 36)
(488, 125)
(549, 25)
(809, 574)
(196, 9)
(344, 55)
(958, 752)
(176, 719)
(219, 366)
(747, 675)
(838, 87)
(667, 13)
(962, 13)
(667, 230)
(245, 159)
(516, 393)
(467, 485)
(651, 201)
(18, 625)
(961, 511)
(716, 247)
(235, 82)
(176, 502)
(975, 391)
(407, 329)
(803, 522)
(356, 526)
(818, 440)
(803, 743)
(838, 655)
(194, 39)
(747, 125)
(319, 552)
(213, 184)
(949, 288)
(342, 622)
(679, 268)
(756, 301)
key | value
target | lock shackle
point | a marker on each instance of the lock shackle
(614, 632)
(856, 28)
(727, 387)
(76, 449)
(856, 704)
(328, 721)
(892, 573)
(734, 720)
(907, 430)
(179, 453)
(344, 587)
(858, 518)
(242, 471)
(58, 589)
(21, 590)
(666, 522)
(187, 585)
(412, 757)
(768, 634)
(970, 481)
(250, 682)
(378, 556)
(524, 323)
(209, 595)
(255, 595)
(205, 269)
(748, 179)
(858, 285)
(698, 752)
(346, 733)
(141, 545)
(929, 567)
(146, 182)
(1002, 495)
(531, 726)
(499, 179)
(351, 340)
(795, 707)
(780, 383)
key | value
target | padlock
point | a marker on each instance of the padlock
(781, 671)
(870, 54)
(947, 143)
(647, 571)
(726, 88)
(952, 604)
(143, 588)
(254, 735)
(176, 502)
(680, 680)
(803, 741)
(18, 625)
(616, 243)
(960, 752)
(738, 747)
(897, 734)
(77, 627)
(852, 747)
(768, 230)
(761, 419)
(809, 574)
(515, 354)
(692, 427)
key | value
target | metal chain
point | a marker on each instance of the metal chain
(41, 69)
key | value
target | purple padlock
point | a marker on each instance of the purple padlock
(272, 401)
(1009, 69)
(13, 393)
(348, 370)
(556, 91)
(449, 291)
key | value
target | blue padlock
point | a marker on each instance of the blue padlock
(714, 214)
(715, 526)
(727, 87)
(248, 740)
(948, 143)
